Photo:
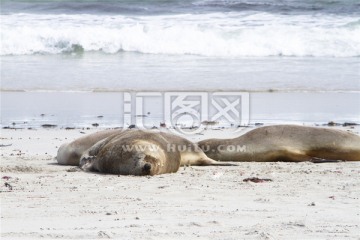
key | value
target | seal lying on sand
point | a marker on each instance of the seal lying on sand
(134, 152)
(285, 143)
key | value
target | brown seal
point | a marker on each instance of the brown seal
(134, 152)
(285, 143)
(131, 153)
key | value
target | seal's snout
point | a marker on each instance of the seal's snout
(146, 168)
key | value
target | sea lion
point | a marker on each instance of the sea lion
(131, 153)
(285, 143)
(104, 152)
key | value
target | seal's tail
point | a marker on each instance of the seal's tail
(216, 163)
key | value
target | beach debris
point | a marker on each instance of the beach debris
(18, 152)
(132, 126)
(264, 200)
(5, 145)
(69, 128)
(95, 124)
(154, 127)
(48, 126)
(257, 180)
(74, 169)
(42, 115)
(163, 125)
(296, 224)
(6, 177)
(102, 234)
(312, 204)
(332, 197)
(12, 128)
(259, 124)
(331, 124)
(209, 123)
(184, 126)
(100, 116)
(321, 160)
(346, 124)
(8, 186)
(194, 224)
(217, 175)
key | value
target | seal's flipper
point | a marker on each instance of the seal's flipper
(224, 164)
(87, 162)
(89, 156)
(211, 162)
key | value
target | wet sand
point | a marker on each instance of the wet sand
(82, 109)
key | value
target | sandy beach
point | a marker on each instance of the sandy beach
(70, 68)
(40, 199)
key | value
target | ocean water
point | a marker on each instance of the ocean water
(287, 46)
(253, 45)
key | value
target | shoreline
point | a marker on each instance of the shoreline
(34, 109)
(122, 90)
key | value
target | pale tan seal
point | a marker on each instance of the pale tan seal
(134, 152)
(70, 153)
(285, 143)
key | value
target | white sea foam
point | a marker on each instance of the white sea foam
(215, 34)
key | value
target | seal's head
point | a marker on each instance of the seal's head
(143, 162)
(67, 155)
(129, 157)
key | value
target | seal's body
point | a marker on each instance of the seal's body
(134, 152)
(285, 143)
(131, 153)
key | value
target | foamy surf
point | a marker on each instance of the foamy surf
(234, 34)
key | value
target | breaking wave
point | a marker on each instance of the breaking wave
(211, 34)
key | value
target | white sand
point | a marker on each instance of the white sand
(304, 200)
